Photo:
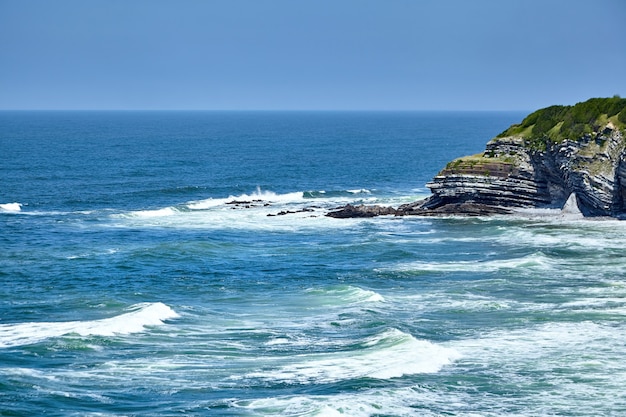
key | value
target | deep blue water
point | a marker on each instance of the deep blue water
(133, 286)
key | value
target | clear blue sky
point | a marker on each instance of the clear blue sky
(310, 54)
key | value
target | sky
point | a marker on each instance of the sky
(309, 54)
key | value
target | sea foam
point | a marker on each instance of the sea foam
(142, 315)
(341, 295)
(536, 260)
(390, 354)
(11, 207)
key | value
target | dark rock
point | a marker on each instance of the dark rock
(427, 207)
(284, 212)
(350, 211)
(512, 174)
(539, 163)
(457, 209)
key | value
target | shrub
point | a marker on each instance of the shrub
(583, 118)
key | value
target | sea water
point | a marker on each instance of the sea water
(181, 263)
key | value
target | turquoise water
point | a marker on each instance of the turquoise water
(132, 286)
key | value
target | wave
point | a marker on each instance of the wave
(258, 196)
(390, 354)
(336, 193)
(346, 294)
(11, 207)
(364, 402)
(535, 260)
(259, 210)
(547, 345)
(147, 214)
(142, 315)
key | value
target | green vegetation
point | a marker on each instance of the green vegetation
(481, 164)
(557, 123)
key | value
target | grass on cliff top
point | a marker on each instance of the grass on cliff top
(557, 123)
(478, 161)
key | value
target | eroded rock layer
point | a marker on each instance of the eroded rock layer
(554, 153)
(510, 173)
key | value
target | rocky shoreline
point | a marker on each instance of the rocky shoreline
(418, 208)
(532, 168)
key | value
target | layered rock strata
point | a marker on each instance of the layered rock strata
(512, 174)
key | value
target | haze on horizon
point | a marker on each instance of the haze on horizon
(309, 55)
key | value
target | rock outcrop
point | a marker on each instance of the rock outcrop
(574, 154)
(510, 173)
(351, 211)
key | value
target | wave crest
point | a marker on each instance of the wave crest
(347, 294)
(390, 354)
(142, 315)
(11, 207)
(536, 260)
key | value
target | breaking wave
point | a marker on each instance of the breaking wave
(390, 354)
(11, 207)
(142, 315)
(536, 261)
(346, 294)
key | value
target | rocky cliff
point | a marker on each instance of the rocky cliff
(527, 166)
(553, 154)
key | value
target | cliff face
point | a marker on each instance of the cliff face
(513, 172)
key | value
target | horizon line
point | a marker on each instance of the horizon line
(274, 110)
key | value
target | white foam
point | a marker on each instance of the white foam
(85, 255)
(536, 261)
(571, 368)
(142, 315)
(11, 207)
(259, 196)
(569, 212)
(255, 216)
(570, 208)
(270, 196)
(392, 401)
(390, 354)
(207, 203)
(349, 293)
(547, 342)
(359, 404)
(569, 234)
(163, 212)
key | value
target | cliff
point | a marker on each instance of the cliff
(556, 154)
(553, 153)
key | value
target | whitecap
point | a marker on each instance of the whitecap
(269, 196)
(396, 401)
(11, 207)
(163, 212)
(206, 203)
(346, 295)
(536, 260)
(390, 354)
(549, 342)
(140, 316)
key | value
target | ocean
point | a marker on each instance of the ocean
(181, 264)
